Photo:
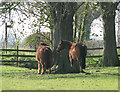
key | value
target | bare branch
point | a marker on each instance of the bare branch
(78, 7)
(9, 7)
(40, 34)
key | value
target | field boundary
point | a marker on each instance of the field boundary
(21, 50)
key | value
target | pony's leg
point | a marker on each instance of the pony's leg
(79, 62)
(49, 70)
(80, 66)
(45, 69)
(71, 63)
(83, 62)
(42, 69)
(39, 67)
(50, 61)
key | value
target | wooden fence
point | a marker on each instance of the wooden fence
(18, 50)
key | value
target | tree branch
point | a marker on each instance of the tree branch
(40, 34)
(9, 7)
(78, 7)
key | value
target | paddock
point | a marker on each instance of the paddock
(16, 78)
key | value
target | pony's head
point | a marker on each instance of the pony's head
(63, 45)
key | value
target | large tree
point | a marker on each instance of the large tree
(62, 15)
(110, 57)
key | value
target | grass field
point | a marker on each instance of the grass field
(102, 78)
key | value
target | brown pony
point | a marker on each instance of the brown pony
(77, 52)
(44, 57)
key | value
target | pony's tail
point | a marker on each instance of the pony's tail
(84, 53)
(48, 58)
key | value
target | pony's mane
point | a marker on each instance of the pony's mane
(67, 42)
(44, 44)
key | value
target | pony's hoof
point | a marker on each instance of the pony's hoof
(87, 73)
(49, 73)
(82, 71)
(38, 73)
(42, 73)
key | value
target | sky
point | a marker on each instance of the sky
(97, 29)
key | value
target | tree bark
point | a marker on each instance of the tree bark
(110, 57)
(75, 29)
(83, 26)
(63, 30)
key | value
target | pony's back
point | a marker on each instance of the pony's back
(44, 55)
(82, 49)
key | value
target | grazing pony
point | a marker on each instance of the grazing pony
(44, 57)
(77, 52)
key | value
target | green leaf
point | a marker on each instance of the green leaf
(96, 6)
(21, 3)
(14, 9)
(96, 35)
(16, 2)
(93, 34)
(104, 5)
(27, 41)
(11, 21)
(35, 25)
(24, 19)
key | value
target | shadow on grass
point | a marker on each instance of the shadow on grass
(34, 75)
(116, 74)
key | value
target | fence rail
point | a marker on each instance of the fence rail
(14, 61)
(98, 48)
(18, 55)
(35, 50)
(19, 50)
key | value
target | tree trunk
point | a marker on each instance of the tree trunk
(79, 33)
(75, 28)
(110, 57)
(88, 25)
(63, 30)
(51, 39)
(83, 26)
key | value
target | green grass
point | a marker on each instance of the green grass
(102, 78)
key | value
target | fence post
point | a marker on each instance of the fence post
(6, 37)
(17, 56)
(2, 56)
(35, 48)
